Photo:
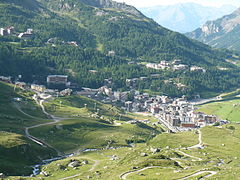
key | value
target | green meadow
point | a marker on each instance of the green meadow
(226, 109)
(219, 159)
(90, 124)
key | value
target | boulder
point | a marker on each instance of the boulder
(143, 154)
(74, 164)
(2, 175)
(85, 162)
(155, 150)
(44, 173)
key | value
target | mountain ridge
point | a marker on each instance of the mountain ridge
(134, 41)
(220, 33)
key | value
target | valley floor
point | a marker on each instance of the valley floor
(102, 152)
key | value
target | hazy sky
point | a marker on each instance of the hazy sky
(148, 3)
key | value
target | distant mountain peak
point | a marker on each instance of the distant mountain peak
(185, 17)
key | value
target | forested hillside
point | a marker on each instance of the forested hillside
(98, 27)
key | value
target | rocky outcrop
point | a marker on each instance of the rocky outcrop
(221, 33)
(114, 5)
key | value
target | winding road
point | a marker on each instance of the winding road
(197, 146)
(123, 175)
(35, 139)
(211, 173)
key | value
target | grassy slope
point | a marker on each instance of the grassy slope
(16, 150)
(80, 130)
(102, 167)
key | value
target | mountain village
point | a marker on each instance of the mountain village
(176, 114)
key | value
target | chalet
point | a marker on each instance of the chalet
(66, 92)
(73, 43)
(39, 88)
(197, 69)
(21, 85)
(111, 53)
(26, 35)
(5, 79)
(179, 67)
(88, 92)
(10, 30)
(3, 32)
(106, 91)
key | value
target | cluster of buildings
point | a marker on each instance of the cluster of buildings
(175, 65)
(10, 31)
(177, 114)
(54, 41)
(105, 94)
(51, 80)
(180, 114)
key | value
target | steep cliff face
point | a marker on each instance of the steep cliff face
(221, 33)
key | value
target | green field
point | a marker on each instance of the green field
(84, 123)
(86, 127)
(15, 149)
(82, 126)
(220, 157)
(226, 110)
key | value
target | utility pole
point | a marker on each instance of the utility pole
(120, 117)
(95, 106)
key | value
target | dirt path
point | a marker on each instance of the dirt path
(124, 175)
(193, 157)
(21, 111)
(96, 163)
(212, 173)
(35, 139)
(199, 145)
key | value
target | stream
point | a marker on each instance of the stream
(37, 168)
